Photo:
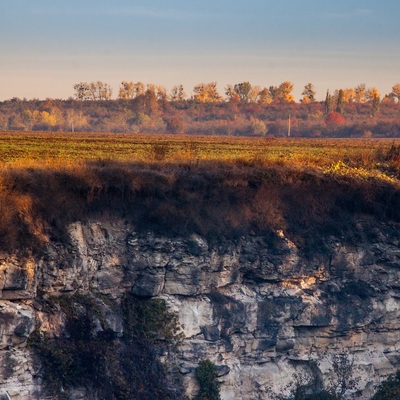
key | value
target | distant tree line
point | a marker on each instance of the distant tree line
(243, 109)
(243, 92)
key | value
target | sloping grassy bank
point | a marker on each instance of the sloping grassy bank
(215, 199)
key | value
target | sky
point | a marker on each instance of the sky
(46, 46)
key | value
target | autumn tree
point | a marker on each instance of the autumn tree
(100, 91)
(150, 103)
(138, 89)
(105, 92)
(254, 94)
(81, 91)
(389, 99)
(375, 105)
(374, 98)
(75, 120)
(38, 119)
(371, 93)
(243, 89)
(126, 90)
(177, 93)
(28, 118)
(328, 103)
(282, 93)
(92, 91)
(274, 93)
(340, 102)
(285, 92)
(360, 92)
(333, 120)
(206, 93)
(257, 127)
(47, 120)
(131, 90)
(231, 94)
(152, 88)
(70, 114)
(349, 95)
(308, 93)
(395, 93)
(242, 92)
(161, 92)
(264, 97)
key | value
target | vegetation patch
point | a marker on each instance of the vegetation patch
(90, 355)
(218, 200)
(309, 385)
(389, 389)
(206, 375)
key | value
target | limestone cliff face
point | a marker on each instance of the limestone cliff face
(258, 308)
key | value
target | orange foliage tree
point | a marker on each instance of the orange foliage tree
(334, 120)
(207, 93)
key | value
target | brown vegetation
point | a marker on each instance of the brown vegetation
(214, 198)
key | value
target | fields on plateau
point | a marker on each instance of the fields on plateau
(363, 158)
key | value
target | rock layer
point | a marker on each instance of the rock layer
(259, 308)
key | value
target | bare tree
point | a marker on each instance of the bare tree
(178, 93)
(92, 91)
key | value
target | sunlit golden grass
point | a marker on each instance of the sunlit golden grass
(362, 158)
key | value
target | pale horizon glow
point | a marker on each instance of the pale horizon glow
(49, 45)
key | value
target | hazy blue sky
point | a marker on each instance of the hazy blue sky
(48, 45)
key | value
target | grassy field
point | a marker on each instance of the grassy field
(379, 158)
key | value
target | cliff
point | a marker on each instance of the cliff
(260, 310)
(116, 280)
